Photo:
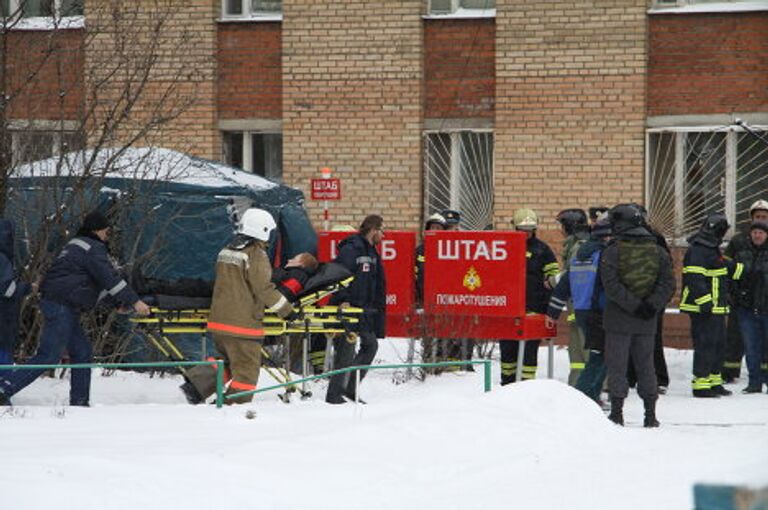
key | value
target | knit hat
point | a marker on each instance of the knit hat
(759, 225)
(94, 221)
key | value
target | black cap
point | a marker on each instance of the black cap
(451, 217)
(761, 225)
(94, 221)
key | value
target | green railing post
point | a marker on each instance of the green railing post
(219, 383)
(487, 371)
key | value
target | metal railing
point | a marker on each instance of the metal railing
(486, 373)
(219, 369)
(220, 397)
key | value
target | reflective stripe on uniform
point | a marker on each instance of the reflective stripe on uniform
(117, 288)
(235, 330)
(732, 364)
(508, 368)
(82, 244)
(700, 383)
(241, 386)
(577, 366)
(529, 371)
(738, 271)
(236, 258)
(420, 258)
(715, 379)
(571, 317)
(11, 289)
(703, 299)
(280, 303)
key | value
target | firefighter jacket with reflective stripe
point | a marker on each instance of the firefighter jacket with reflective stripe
(419, 270)
(706, 279)
(242, 291)
(83, 274)
(540, 265)
(751, 291)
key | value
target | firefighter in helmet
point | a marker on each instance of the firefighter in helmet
(541, 269)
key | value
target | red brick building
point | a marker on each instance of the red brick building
(418, 105)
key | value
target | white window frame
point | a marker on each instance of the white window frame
(15, 8)
(247, 153)
(16, 129)
(730, 174)
(457, 11)
(248, 13)
(698, 6)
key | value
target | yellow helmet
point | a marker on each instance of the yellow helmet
(760, 205)
(525, 219)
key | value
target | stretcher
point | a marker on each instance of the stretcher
(172, 315)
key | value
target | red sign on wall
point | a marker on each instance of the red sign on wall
(326, 189)
(397, 251)
(475, 273)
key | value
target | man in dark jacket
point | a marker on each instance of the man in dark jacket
(734, 345)
(80, 277)
(431, 348)
(637, 278)
(706, 284)
(751, 303)
(358, 253)
(12, 291)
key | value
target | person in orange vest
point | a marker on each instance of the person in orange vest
(242, 292)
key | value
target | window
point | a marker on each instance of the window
(439, 7)
(252, 8)
(35, 144)
(257, 152)
(41, 8)
(660, 4)
(692, 173)
(459, 175)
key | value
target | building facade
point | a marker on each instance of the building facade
(416, 105)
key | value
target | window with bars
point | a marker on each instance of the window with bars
(40, 8)
(257, 152)
(682, 3)
(458, 175)
(251, 8)
(692, 173)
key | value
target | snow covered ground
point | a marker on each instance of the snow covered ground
(442, 444)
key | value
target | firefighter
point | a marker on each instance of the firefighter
(429, 346)
(541, 269)
(360, 255)
(734, 349)
(637, 279)
(706, 277)
(575, 229)
(243, 290)
(80, 278)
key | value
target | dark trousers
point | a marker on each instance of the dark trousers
(509, 351)
(708, 333)
(618, 348)
(61, 331)
(345, 356)
(734, 348)
(590, 381)
(754, 331)
(659, 361)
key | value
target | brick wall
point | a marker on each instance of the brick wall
(708, 63)
(249, 71)
(570, 103)
(352, 102)
(178, 87)
(459, 68)
(45, 72)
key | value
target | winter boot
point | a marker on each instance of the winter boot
(705, 393)
(616, 415)
(191, 393)
(721, 390)
(650, 420)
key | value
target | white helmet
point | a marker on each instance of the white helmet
(256, 223)
(760, 205)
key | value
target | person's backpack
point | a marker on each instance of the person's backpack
(582, 276)
(638, 265)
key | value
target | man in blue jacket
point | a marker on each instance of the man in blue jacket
(80, 277)
(358, 253)
(12, 291)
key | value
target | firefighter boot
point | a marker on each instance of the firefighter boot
(650, 420)
(617, 407)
